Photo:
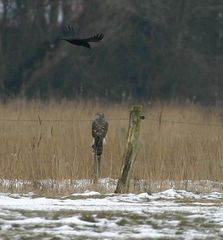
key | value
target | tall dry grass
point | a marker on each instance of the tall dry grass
(35, 150)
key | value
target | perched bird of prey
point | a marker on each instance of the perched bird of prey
(69, 37)
(99, 131)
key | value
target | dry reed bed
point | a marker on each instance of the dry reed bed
(35, 150)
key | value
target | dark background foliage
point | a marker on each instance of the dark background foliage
(156, 49)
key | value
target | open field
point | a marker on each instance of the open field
(53, 141)
(172, 214)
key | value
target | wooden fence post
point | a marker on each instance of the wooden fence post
(97, 166)
(131, 149)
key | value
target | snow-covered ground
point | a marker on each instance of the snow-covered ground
(108, 185)
(171, 214)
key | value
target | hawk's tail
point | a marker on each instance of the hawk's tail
(98, 145)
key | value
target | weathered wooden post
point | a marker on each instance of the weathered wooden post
(97, 166)
(130, 153)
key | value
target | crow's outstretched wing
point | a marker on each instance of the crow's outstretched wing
(68, 30)
(95, 38)
(68, 33)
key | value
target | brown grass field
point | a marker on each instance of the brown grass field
(34, 149)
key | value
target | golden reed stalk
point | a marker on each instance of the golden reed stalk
(38, 149)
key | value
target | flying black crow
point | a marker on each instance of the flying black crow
(78, 41)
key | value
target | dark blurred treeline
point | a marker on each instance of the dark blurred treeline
(153, 49)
